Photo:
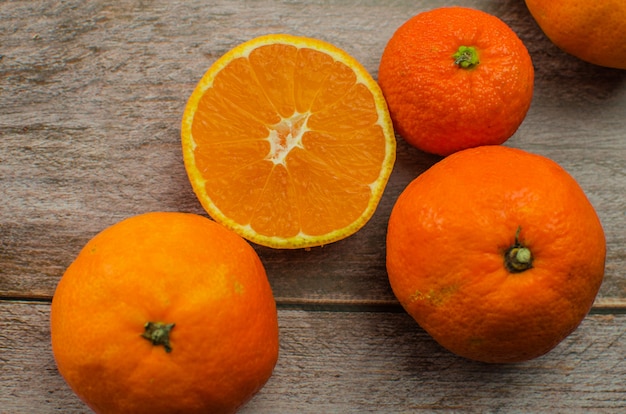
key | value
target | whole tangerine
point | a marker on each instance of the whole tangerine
(165, 313)
(496, 252)
(456, 78)
(594, 31)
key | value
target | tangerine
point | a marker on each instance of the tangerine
(288, 141)
(496, 252)
(165, 313)
(594, 31)
(456, 78)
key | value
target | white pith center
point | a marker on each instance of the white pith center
(286, 135)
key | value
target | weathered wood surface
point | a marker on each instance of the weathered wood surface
(91, 95)
(357, 362)
(93, 92)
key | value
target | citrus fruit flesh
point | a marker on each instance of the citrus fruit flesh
(287, 141)
(496, 252)
(163, 313)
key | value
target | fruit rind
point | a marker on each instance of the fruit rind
(447, 237)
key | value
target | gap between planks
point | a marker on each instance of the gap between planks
(602, 306)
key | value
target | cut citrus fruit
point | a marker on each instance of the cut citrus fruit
(288, 142)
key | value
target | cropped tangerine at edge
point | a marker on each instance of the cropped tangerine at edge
(287, 141)
(593, 31)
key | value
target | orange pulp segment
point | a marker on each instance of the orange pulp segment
(288, 142)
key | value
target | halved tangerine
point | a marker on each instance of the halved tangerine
(288, 142)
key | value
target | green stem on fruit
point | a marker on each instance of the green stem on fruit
(466, 57)
(518, 257)
(158, 333)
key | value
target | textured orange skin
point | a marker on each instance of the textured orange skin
(173, 268)
(446, 241)
(441, 108)
(594, 31)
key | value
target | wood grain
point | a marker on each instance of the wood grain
(91, 97)
(357, 362)
(91, 105)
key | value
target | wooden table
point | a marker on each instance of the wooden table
(91, 97)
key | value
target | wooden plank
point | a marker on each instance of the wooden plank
(356, 362)
(93, 92)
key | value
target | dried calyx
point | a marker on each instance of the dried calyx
(158, 333)
(518, 257)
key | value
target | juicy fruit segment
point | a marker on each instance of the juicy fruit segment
(288, 142)
(497, 253)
